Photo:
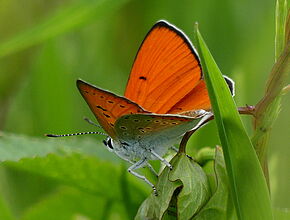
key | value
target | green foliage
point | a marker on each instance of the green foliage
(281, 214)
(186, 185)
(76, 164)
(46, 45)
(249, 194)
(216, 207)
(64, 20)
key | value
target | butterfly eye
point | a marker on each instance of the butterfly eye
(108, 143)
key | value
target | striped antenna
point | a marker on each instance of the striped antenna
(75, 134)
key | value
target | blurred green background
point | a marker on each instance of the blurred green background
(46, 45)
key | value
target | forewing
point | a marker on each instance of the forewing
(165, 69)
(106, 106)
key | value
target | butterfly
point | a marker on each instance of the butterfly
(165, 97)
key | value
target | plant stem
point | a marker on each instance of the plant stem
(268, 108)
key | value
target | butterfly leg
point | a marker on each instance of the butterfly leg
(152, 169)
(137, 165)
(161, 159)
(174, 149)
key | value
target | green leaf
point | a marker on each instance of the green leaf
(64, 20)
(281, 214)
(76, 162)
(5, 212)
(83, 172)
(174, 200)
(15, 147)
(195, 191)
(204, 155)
(22, 189)
(68, 203)
(154, 207)
(247, 183)
(216, 207)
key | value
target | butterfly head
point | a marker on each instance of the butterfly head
(109, 144)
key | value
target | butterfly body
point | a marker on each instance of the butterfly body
(137, 135)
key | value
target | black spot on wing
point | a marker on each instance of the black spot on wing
(108, 116)
(100, 107)
(143, 78)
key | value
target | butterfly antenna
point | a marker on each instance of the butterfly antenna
(91, 122)
(75, 134)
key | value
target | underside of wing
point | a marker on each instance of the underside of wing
(165, 70)
(106, 106)
(147, 127)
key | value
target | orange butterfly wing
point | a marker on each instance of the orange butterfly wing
(165, 70)
(106, 106)
(198, 98)
(195, 100)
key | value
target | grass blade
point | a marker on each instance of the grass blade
(61, 22)
(246, 179)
